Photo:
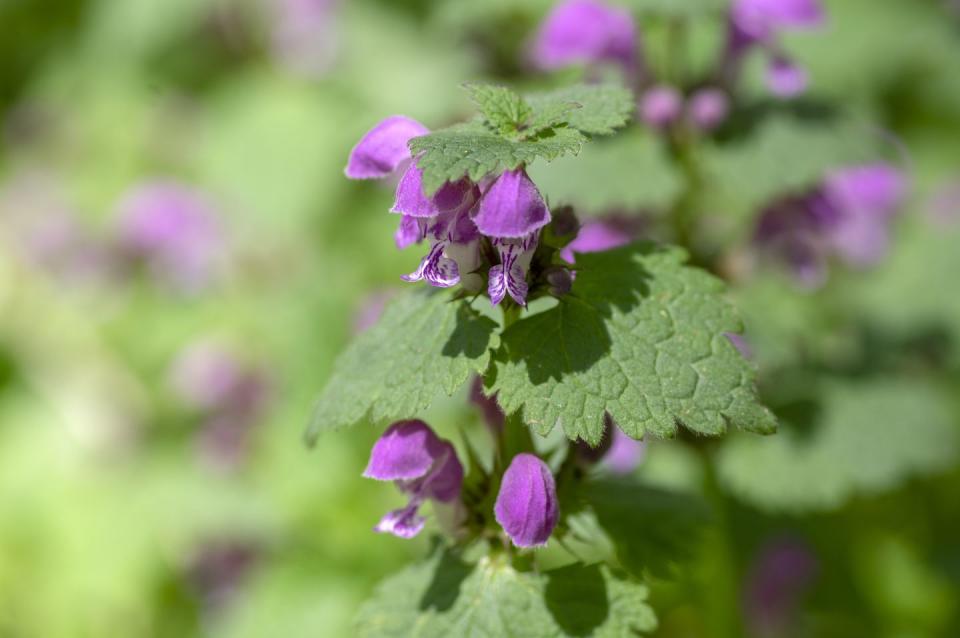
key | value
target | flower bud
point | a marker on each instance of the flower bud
(660, 106)
(708, 108)
(565, 222)
(558, 280)
(527, 507)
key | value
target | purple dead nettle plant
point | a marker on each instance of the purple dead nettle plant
(758, 25)
(847, 217)
(503, 211)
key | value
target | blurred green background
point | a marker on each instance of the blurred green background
(121, 515)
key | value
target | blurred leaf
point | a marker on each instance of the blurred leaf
(640, 337)
(866, 437)
(443, 597)
(629, 170)
(651, 529)
(424, 343)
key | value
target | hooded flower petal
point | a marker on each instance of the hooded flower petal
(406, 451)
(510, 275)
(784, 78)
(511, 207)
(410, 231)
(585, 32)
(411, 201)
(625, 454)
(660, 106)
(527, 507)
(384, 148)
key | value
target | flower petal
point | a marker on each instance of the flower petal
(406, 451)
(708, 108)
(411, 201)
(511, 207)
(404, 522)
(410, 231)
(381, 151)
(763, 20)
(660, 106)
(527, 506)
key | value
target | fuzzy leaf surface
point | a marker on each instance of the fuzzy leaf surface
(641, 336)
(424, 344)
(443, 597)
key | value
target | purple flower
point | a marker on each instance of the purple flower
(784, 78)
(661, 106)
(175, 230)
(527, 507)
(512, 207)
(847, 217)
(783, 570)
(305, 36)
(741, 344)
(370, 310)
(383, 149)
(708, 108)
(586, 32)
(422, 465)
(598, 236)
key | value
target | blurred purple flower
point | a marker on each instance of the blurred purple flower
(586, 32)
(527, 507)
(219, 569)
(617, 452)
(661, 106)
(598, 235)
(370, 310)
(305, 35)
(230, 394)
(782, 571)
(49, 233)
(493, 416)
(175, 231)
(741, 344)
(707, 108)
(848, 217)
(422, 465)
(784, 78)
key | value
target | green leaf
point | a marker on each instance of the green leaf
(629, 170)
(600, 109)
(424, 343)
(443, 597)
(473, 150)
(863, 437)
(641, 336)
(502, 109)
(514, 132)
(652, 530)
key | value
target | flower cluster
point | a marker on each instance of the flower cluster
(461, 221)
(848, 217)
(426, 467)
